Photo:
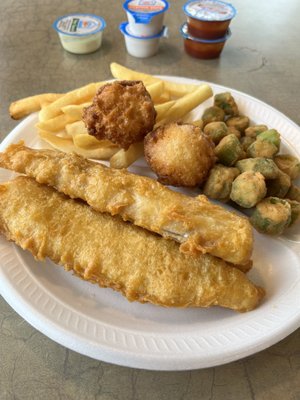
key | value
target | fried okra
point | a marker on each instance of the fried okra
(227, 103)
(266, 144)
(272, 215)
(240, 123)
(229, 150)
(180, 154)
(248, 189)
(213, 114)
(288, 164)
(293, 193)
(265, 166)
(219, 182)
(246, 141)
(279, 186)
(271, 136)
(198, 122)
(295, 210)
(216, 131)
(262, 148)
(233, 130)
(253, 131)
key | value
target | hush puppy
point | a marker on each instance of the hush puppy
(122, 112)
(180, 154)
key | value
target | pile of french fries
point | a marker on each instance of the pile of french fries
(60, 115)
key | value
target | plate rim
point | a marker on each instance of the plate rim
(128, 358)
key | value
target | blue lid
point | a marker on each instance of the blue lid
(79, 24)
(144, 10)
(184, 32)
(209, 10)
(124, 28)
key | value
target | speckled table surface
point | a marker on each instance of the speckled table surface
(262, 59)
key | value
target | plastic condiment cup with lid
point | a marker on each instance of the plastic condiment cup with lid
(145, 17)
(203, 48)
(80, 33)
(208, 19)
(141, 46)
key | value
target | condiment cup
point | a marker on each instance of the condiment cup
(208, 19)
(141, 46)
(203, 48)
(80, 33)
(145, 17)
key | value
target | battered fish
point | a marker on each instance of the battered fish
(200, 226)
(105, 250)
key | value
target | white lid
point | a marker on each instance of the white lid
(209, 10)
(125, 29)
(79, 24)
(143, 10)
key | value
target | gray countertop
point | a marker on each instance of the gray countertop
(262, 58)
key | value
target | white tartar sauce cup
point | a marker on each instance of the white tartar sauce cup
(80, 33)
(145, 17)
(141, 46)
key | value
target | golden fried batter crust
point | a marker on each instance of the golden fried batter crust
(179, 154)
(199, 225)
(122, 112)
(104, 249)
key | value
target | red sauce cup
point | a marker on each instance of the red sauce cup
(208, 19)
(203, 48)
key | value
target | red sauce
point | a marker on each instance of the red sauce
(207, 29)
(203, 50)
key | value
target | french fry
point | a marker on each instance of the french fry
(20, 108)
(164, 97)
(187, 103)
(45, 103)
(161, 110)
(62, 134)
(75, 110)
(76, 96)
(76, 128)
(175, 89)
(155, 90)
(56, 124)
(85, 141)
(120, 72)
(124, 158)
(67, 145)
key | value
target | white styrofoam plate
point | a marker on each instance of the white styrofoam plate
(102, 324)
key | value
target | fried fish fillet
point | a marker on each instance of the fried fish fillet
(199, 225)
(105, 250)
